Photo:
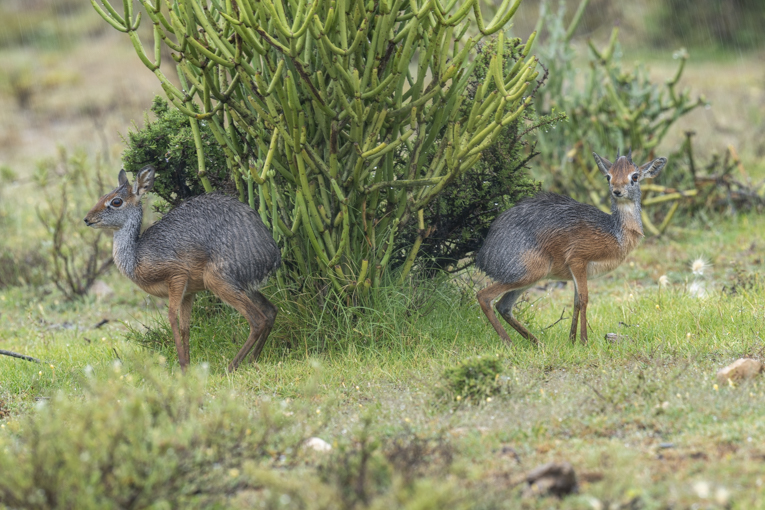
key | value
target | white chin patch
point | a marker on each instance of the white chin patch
(626, 206)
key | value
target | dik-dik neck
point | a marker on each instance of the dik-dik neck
(628, 226)
(125, 246)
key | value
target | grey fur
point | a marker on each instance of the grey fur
(231, 234)
(520, 228)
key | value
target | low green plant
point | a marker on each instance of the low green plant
(78, 255)
(160, 444)
(474, 379)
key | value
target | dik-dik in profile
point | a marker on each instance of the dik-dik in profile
(556, 237)
(210, 242)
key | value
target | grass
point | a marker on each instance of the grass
(109, 421)
(641, 420)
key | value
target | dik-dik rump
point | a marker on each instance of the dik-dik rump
(210, 242)
(555, 237)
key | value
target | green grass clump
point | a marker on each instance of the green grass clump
(474, 379)
(162, 443)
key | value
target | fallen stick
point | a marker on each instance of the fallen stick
(20, 356)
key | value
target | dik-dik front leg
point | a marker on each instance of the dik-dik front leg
(579, 274)
(176, 288)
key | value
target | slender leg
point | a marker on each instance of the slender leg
(185, 324)
(575, 315)
(256, 314)
(270, 312)
(579, 272)
(175, 290)
(487, 296)
(505, 309)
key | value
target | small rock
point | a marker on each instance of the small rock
(318, 444)
(101, 290)
(556, 478)
(616, 338)
(744, 368)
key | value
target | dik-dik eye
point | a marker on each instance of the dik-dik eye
(117, 202)
(608, 178)
(634, 178)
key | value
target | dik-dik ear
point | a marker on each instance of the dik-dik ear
(603, 164)
(653, 168)
(144, 181)
(122, 178)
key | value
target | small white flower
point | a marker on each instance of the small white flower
(663, 280)
(699, 265)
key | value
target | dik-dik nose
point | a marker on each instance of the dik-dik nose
(618, 193)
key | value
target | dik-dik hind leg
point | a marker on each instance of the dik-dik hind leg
(270, 311)
(486, 297)
(505, 308)
(176, 288)
(579, 273)
(185, 324)
(256, 318)
(575, 315)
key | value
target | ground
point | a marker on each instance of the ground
(643, 420)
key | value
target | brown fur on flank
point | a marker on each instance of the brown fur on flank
(210, 242)
(555, 237)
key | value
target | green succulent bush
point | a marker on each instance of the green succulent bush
(459, 218)
(340, 121)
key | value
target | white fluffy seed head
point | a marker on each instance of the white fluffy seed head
(698, 266)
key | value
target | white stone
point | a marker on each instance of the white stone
(318, 444)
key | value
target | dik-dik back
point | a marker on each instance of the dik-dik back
(212, 230)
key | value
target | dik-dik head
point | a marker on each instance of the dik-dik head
(114, 209)
(624, 176)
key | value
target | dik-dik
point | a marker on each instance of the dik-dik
(556, 237)
(210, 242)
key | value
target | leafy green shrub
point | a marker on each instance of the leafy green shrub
(474, 379)
(168, 144)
